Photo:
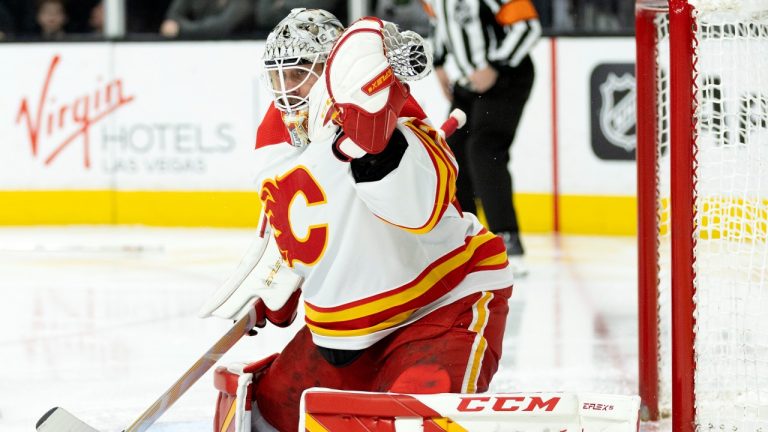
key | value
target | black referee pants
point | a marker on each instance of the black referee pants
(482, 145)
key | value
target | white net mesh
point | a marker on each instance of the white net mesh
(731, 193)
(407, 52)
(731, 190)
(663, 214)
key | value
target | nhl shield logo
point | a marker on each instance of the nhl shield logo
(617, 113)
(614, 122)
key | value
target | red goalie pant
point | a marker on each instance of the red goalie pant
(454, 349)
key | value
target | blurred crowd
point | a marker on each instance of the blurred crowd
(49, 19)
(189, 19)
(210, 19)
(597, 16)
(556, 16)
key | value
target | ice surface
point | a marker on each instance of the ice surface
(102, 320)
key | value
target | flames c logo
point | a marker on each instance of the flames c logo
(278, 195)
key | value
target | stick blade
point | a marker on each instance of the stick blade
(60, 420)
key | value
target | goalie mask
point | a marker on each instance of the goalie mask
(294, 55)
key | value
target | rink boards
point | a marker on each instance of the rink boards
(162, 134)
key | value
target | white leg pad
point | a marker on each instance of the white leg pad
(242, 412)
(335, 411)
(235, 409)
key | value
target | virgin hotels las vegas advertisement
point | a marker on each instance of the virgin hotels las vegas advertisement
(145, 132)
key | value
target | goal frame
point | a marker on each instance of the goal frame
(682, 158)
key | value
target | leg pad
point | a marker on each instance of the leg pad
(235, 385)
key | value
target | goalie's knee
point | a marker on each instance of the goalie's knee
(235, 384)
(422, 379)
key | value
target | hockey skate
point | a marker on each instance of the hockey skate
(515, 253)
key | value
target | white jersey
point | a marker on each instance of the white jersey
(375, 255)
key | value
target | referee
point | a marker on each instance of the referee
(489, 42)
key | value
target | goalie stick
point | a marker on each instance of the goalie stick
(61, 420)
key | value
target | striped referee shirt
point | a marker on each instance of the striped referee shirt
(477, 33)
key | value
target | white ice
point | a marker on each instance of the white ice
(102, 320)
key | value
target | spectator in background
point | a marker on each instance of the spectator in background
(96, 19)
(545, 9)
(6, 22)
(495, 78)
(563, 15)
(78, 14)
(17, 18)
(602, 16)
(146, 16)
(626, 13)
(597, 15)
(51, 17)
(207, 18)
(270, 13)
(407, 14)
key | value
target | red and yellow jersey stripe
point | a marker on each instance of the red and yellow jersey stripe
(445, 169)
(484, 251)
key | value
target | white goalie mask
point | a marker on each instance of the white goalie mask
(295, 52)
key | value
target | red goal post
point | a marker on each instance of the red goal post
(702, 160)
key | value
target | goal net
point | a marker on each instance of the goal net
(702, 69)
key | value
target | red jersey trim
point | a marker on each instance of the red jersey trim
(272, 130)
(446, 172)
(484, 251)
